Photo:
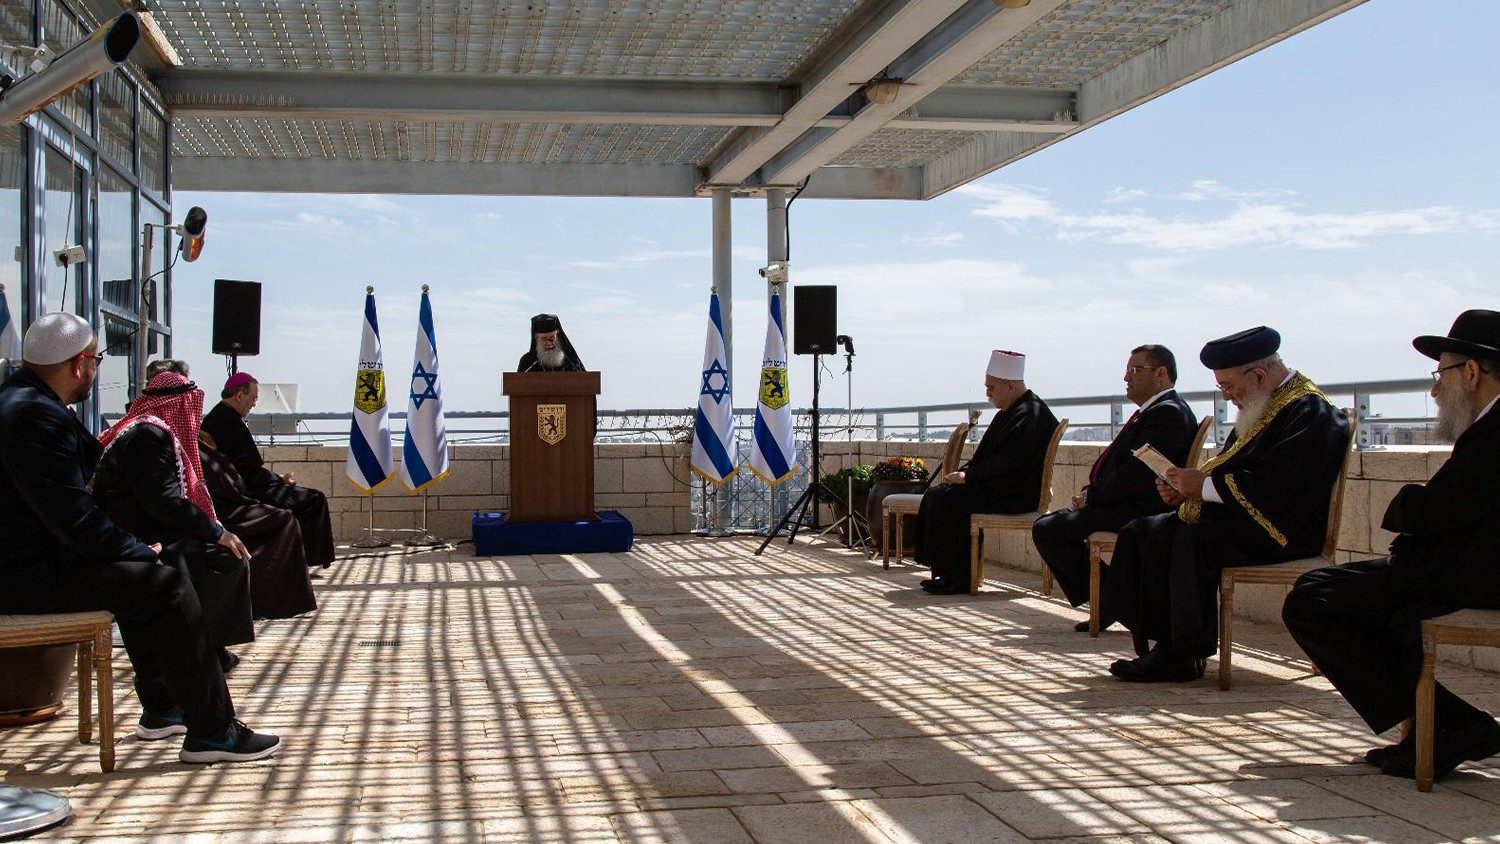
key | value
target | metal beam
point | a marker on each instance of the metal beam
(302, 96)
(862, 55)
(1239, 30)
(972, 33)
(147, 55)
(308, 175)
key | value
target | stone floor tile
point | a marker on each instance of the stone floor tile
(1443, 810)
(824, 823)
(1284, 800)
(668, 827)
(951, 818)
(1055, 813)
(1376, 828)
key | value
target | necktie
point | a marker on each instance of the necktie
(1104, 455)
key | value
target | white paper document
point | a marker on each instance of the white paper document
(1155, 459)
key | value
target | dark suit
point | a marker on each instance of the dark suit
(1275, 487)
(1003, 476)
(1120, 488)
(62, 554)
(1361, 623)
(233, 440)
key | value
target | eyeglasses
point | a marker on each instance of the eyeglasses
(1437, 374)
(97, 357)
(1131, 370)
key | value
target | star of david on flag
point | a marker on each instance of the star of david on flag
(369, 463)
(713, 425)
(424, 451)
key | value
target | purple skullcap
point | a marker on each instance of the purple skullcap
(238, 381)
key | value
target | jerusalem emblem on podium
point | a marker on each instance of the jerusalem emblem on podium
(552, 422)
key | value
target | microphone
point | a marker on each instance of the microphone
(847, 341)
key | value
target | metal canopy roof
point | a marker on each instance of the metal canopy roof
(665, 97)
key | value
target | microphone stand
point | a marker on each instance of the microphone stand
(855, 524)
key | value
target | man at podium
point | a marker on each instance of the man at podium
(550, 349)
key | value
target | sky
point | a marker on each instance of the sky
(1339, 186)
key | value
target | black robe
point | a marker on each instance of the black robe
(1003, 476)
(137, 485)
(232, 438)
(279, 582)
(1275, 486)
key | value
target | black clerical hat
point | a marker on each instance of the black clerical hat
(1247, 346)
(1475, 334)
(543, 323)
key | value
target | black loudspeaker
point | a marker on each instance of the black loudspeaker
(815, 319)
(236, 317)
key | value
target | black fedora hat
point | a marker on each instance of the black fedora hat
(1475, 334)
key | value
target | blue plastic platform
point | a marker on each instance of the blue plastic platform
(496, 536)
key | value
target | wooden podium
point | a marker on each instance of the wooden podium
(551, 445)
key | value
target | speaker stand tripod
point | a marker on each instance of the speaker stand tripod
(804, 513)
(856, 525)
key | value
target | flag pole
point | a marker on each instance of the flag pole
(370, 541)
(426, 540)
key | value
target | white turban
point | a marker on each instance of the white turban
(55, 337)
(1010, 366)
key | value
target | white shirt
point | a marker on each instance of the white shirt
(1210, 492)
(1486, 408)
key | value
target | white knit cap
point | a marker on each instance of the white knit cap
(55, 337)
(1008, 365)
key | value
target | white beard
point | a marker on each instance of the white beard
(1249, 414)
(1455, 415)
(552, 358)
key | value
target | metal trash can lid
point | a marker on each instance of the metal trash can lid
(27, 810)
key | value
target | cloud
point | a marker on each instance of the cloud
(1248, 224)
(936, 239)
(1203, 190)
(1119, 194)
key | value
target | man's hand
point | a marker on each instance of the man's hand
(1188, 482)
(955, 478)
(289, 479)
(235, 546)
(1081, 500)
(1169, 495)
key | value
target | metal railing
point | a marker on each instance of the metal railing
(748, 504)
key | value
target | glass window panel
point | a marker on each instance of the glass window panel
(116, 241)
(15, 22)
(161, 256)
(153, 150)
(62, 211)
(60, 31)
(116, 369)
(12, 256)
(116, 104)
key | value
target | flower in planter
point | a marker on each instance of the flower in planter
(838, 483)
(899, 469)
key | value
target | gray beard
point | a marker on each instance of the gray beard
(551, 359)
(1249, 415)
(1454, 416)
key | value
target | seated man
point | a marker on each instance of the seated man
(1361, 623)
(1262, 499)
(1003, 476)
(225, 425)
(149, 481)
(1120, 487)
(62, 554)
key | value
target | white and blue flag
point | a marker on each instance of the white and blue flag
(10, 335)
(773, 457)
(424, 454)
(713, 429)
(369, 463)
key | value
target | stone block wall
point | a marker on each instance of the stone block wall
(647, 483)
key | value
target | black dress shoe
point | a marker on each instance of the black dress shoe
(1158, 669)
(227, 660)
(946, 588)
(1377, 755)
(931, 581)
(1083, 626)
(1450, 749)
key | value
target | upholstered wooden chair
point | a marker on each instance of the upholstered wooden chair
(92, 632)
(902, 504)
(1283, 574)
(1468, 628)
(1102, 542)
(981, 522)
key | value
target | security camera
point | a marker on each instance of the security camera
(68, 256)
(775, 272)
(103, 50)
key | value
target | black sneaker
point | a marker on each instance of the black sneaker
(238, 744)
(153, 727)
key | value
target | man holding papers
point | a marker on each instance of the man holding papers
(1262, 499)
(1120, 487)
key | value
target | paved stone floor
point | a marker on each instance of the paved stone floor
(689, 691)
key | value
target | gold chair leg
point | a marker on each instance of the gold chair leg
(976, 559)
(885, 541)
(103, 644)
(85, 691)
(1046, 579)
(1095, 587)
(1426, 689)
(1226, 630)
(900, 538)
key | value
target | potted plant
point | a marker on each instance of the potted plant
(839, 487)
(888, 477)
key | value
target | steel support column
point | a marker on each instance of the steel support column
(723, 278)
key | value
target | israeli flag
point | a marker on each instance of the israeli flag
(713, 430)
(773, 457)
(369, 463)
(424, 454)
(10, 336)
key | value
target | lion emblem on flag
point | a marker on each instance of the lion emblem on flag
(773, 393)
(369, 390)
